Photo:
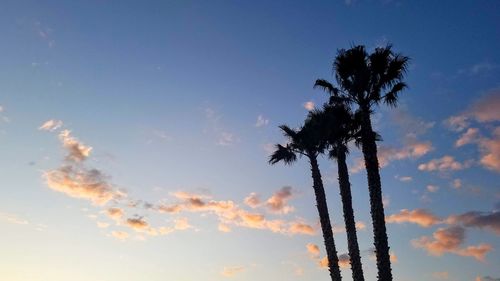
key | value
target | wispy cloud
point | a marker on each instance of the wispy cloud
(231, 271)
(12, 218)
(223, 136)
(51, 125)
(261, 121)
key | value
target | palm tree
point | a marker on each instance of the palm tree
(307, 141)
(367, 80)
(339, 128)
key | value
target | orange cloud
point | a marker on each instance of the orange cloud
(277, 203)
(313, 249)
(441, 275)
(115, 213)
(138, 224)
(231, 271)
(79, 182)
(490, 151)
(252, 200)
(386, 155)
(75, 180)
(449, 240)
(121, 235)
(418, 216)
(301, 228)
(344, 261)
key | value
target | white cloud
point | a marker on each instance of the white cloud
(261, 121)
(51, 125)
(309, 105)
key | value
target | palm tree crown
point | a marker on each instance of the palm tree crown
(366, 80)
(308, 141)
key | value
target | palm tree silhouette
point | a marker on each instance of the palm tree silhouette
(367, 80)
(339, 128)
(307, 141)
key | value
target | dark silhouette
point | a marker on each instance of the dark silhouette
(366, 80)
(307, 141)
(339, 128)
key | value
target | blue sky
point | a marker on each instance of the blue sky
(168, 102)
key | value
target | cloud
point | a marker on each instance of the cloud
(484, 110)
(490, 151)
(252, 200)
(226, 139)
(215, 127)
(231, 271)
(404, 178)
(301, 228)
(228, 213)
(115, 213)
(76, 151)
(51, 125)
(421, 217)
(277, 203)
(138, 224)
(486, 278)
(102, 224)
(261, 121)
(121, 235)
(441, 275)
(432, 188)
(482, 220)
(309, 105)
(182, 224)
(470, 136)
(81, 183)
(344, 261)
(410, 125)
(313, 250)
(76, 180)
(393, 257)
(457, 183)
(11, 218)
(449, 240)
(387, 154)
(341, 228)
(223, 228)
(445, 163)
(482, 67)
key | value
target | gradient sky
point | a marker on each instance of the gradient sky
(135, 135)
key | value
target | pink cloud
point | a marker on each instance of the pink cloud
(445, 163)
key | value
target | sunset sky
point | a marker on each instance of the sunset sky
(135, 135)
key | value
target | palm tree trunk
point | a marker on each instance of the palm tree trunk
(324, 217)
(369, 148)
(350, 225)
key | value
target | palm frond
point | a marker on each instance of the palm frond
(326, 86)
(391, 98)
(288, 132)
(282, 154)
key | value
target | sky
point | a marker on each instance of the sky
(135, 137)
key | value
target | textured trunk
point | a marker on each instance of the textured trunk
(350, 225)
(326, 227)
(369, 148)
